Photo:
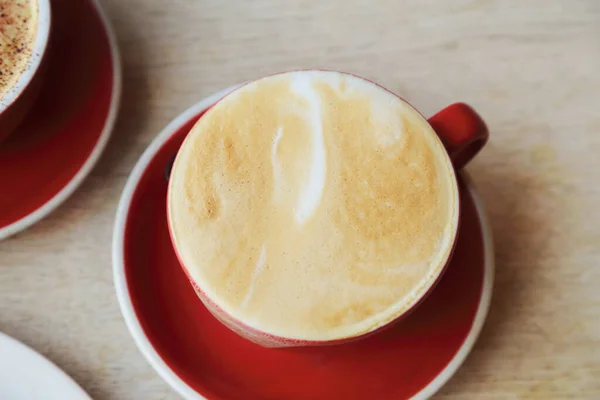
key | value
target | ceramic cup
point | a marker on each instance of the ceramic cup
(19, 98)
(463, 133)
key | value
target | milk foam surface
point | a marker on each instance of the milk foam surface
(313, 205)
(18, 22)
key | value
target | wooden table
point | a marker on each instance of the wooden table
(532, 68)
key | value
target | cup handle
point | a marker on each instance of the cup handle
(462, 132)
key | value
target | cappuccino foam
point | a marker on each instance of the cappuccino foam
(313, 205)
(18, 26)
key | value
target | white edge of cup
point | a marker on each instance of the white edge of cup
(94, 156)
(37, 54)
(140, 338)
(120, 281)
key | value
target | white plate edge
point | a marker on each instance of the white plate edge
(46, 363)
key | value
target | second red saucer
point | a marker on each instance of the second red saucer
(64, 133)
(202, 359)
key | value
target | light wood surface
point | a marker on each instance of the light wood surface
(531, 68)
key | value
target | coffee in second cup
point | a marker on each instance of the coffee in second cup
(18, 25)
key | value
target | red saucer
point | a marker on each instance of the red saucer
(61, 139)
(201, 358)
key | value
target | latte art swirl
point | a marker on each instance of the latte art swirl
(313, 205)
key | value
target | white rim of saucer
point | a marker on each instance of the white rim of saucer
(37, 54)
(144, 344)
(44, 369)
(94, 156)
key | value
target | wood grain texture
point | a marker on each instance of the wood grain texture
(532, 69)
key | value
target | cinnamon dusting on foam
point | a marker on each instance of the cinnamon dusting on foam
(18, 22)
(313, 205)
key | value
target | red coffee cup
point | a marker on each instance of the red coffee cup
(463, 133)
(23, 92)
